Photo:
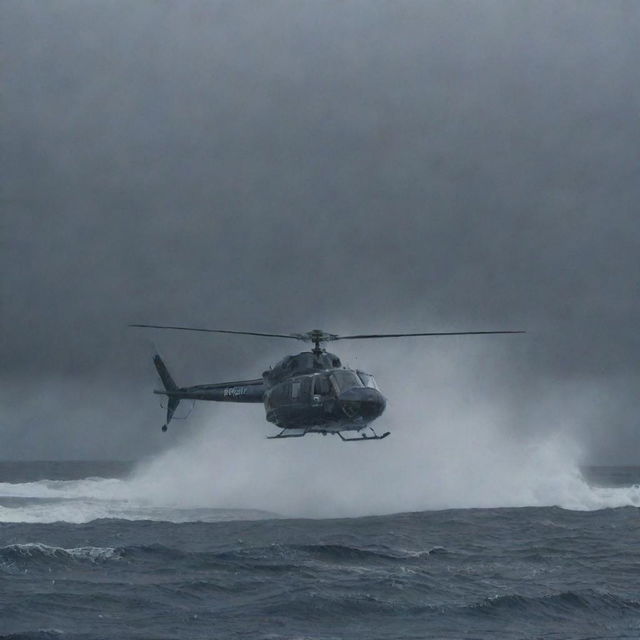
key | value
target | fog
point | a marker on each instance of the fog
(351, 166)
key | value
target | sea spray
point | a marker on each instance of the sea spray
(455, 443)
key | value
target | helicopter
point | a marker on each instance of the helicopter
(310, 392)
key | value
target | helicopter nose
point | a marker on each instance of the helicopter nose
(362, 402)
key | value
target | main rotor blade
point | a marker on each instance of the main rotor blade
(242, 333)
(406, 335)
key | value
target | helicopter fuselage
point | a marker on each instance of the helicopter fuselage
(310, 392)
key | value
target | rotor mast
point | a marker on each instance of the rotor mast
(317, 337)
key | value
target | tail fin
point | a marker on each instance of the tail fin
(169, 385)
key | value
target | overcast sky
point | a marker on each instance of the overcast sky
(356, 166)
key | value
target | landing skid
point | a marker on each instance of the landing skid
(282, 434)
(365, 437)
(361, 438)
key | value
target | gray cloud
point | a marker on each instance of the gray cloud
(356, 166)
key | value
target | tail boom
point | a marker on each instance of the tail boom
(246, 391)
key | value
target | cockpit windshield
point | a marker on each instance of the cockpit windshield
(344, 380)
(367, 380)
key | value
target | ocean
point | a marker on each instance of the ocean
(81, 558)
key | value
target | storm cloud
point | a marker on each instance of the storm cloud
(353, 166)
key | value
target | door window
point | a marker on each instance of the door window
(321, 386)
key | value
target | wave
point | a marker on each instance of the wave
(564, 603)
(82, 501)
(17, 558)
(276, 557)
(40, 634)
(338, 552)
(84, 511)
(281, 552)
(559, 606)
(91, 487)
(37, 549)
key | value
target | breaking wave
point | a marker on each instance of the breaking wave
(81, 501)
(18, 558)
(35, 550)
